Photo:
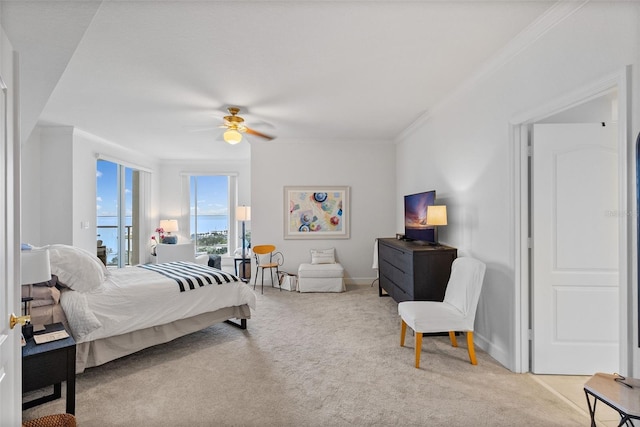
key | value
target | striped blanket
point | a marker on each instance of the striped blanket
(191, 276)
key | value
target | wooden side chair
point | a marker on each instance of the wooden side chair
(267, 257)
(455, 314)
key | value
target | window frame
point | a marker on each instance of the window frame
(232, 200)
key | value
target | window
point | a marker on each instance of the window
(212, 204)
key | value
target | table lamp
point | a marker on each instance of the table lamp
(436, 216)
(34, 268)
(169, 225)
(243, 213)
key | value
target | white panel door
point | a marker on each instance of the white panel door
(575, 281)
(10, 356)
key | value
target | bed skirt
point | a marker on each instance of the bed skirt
(98, 352)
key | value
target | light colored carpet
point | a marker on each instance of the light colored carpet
(311, 360)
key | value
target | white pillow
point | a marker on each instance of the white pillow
(77, 268)
(82, 320)
(323, 256)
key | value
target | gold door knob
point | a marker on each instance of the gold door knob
(23, 320)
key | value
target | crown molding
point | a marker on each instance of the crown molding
(521, 42)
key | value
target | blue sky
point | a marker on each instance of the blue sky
(107, 189)
(213, 193)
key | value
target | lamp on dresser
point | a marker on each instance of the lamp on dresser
(35, 267)
(169, 226)
(436, 216)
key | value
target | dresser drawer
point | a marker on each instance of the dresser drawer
(400, 295)
(405, 283)
(388, 271)
(396, 257)
(396, 277)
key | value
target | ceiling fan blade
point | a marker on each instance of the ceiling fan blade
(260, 134)
(259, 123)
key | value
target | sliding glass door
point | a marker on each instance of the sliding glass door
(117, 191)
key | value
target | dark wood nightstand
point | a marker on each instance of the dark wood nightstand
(49, 364)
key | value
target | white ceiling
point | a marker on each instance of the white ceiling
(147, 74)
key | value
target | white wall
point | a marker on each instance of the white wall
(30, 189)
(463, 149)
(369, 171)
(47, 214)
(59, 185)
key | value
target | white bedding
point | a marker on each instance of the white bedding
(134, 298)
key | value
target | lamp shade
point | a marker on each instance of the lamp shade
(169, 225)
(436, 215)
(35, 266)
(243, 213)
(232, 136)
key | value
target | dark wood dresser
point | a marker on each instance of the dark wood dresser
(414, 272)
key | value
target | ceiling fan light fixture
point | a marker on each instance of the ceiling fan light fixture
(232, 136)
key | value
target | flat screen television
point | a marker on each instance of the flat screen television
(415, 217)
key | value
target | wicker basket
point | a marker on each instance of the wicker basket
(57, 420)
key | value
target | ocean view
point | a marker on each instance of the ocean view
(210, 223)
(206, 224)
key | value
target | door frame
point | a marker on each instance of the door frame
(519, 146)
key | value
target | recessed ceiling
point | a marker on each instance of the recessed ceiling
(147, 74)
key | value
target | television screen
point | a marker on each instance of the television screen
(415, 217)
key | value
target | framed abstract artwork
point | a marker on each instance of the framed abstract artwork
(316, 212)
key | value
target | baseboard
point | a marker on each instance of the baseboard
(492, 350)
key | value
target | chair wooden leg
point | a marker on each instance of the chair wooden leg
(418, 348)
(452, 337)
(403, 331)
(472, 351)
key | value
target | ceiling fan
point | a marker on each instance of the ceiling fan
(236, 127)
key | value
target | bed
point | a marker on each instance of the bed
(113, 313)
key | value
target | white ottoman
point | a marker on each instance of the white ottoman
(321, 278)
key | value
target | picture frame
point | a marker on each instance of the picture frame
(316, 212)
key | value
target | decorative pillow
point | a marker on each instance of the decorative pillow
(324, 256)
(82, 320)
(77, 268)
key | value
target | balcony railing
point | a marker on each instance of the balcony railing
(109, 234)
